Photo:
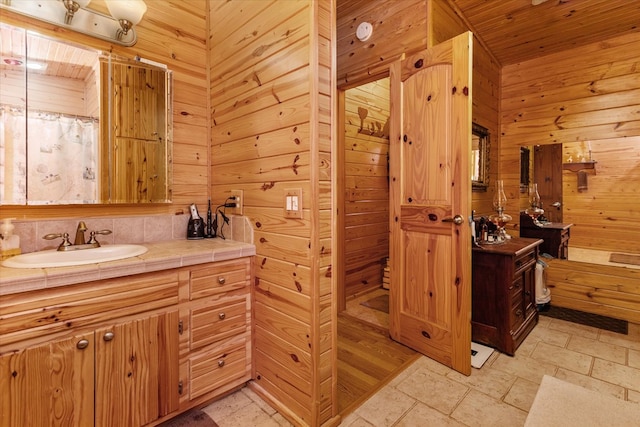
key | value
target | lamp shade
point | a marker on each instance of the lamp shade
(129, 10)
(83, 3)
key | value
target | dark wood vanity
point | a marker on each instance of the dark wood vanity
(504, 303)
(555, 236)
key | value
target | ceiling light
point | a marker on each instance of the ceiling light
(73, 14)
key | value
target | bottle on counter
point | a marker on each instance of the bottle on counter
(9, 242)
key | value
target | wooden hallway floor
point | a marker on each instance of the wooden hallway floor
(367, 360)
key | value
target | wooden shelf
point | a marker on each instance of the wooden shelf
(578, 166)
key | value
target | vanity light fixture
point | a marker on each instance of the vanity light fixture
(73, 15)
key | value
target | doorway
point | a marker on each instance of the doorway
(367, 357)
(365, 112)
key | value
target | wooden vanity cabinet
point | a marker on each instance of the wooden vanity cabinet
(555, 236)
(503, 293)
(103, 353)
(218, 339)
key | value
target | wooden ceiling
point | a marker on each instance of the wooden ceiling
(520, 30)
(61, 59)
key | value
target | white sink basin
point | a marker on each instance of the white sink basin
(54, 258)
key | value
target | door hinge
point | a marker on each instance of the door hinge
(180, 388)
(180, 327)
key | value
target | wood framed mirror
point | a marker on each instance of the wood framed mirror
(480, 144)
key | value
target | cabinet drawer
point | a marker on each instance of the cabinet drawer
(523, 262)
(516, 316)
(218, 321)
(219, 278)
(515, 290)
(218, 367)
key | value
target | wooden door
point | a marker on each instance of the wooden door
(48, 385)
(430, 185)
(547, 173)
(136, 371)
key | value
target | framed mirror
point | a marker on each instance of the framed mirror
(77, 129)
(480, 144)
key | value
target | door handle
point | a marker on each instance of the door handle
(457, 220)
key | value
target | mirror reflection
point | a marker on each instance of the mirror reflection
(479, 158)
(71, 134)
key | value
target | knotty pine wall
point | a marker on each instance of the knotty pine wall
(272, 102)
(591, 93)
(366, 178)
(173, 32)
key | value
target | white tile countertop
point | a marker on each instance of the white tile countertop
(160, 256)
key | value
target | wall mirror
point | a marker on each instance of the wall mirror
(78, 126)
(479, 158)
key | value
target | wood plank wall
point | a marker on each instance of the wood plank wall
(272, 103)
(366, 192)
(591, 93)
(172, 32)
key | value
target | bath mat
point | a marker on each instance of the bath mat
(191, 418)
(479, 354)
(588, 319)
(621, 258)
(380, 303)
(560, 403)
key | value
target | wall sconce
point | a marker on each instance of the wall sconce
(73, 15)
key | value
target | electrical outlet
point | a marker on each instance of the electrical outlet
(239, 201)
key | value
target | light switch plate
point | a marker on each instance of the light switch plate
(293, 203)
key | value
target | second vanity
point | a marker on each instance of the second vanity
(131, 342)
(503, 302)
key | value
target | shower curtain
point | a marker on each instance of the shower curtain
(61, 158)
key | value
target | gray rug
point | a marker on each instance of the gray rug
(191, 418)
(380, 303)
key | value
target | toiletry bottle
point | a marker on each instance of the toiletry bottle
(10, 243)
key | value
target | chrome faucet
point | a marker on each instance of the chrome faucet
(82, 227)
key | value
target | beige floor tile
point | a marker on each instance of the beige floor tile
(591, 383)
(524, 367)
(522, 393)
(614, 373)
(258, 401)
(422, 415)
(354, 420)
(492, 382)
(550, 336)
(282, 421)
(633, 396)
(574, 328)
(227, 405)
(436, 391)
(563, 358)
(628, 341)
(250, 415)
(603, 350)
(479, 410)
(385, 407)
(634, 359)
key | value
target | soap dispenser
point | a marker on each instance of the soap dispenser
(9, 243)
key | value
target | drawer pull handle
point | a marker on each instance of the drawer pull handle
(108, 336)
(221, 316)
(518, 312)
(82, 344)
(220, 363)
(221, 280)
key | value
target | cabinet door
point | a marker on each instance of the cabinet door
(48, 385)
(134, 362)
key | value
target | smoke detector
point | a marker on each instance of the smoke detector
(364, 31)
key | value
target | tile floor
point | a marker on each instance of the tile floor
(498, 394)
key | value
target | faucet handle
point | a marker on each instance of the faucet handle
(92, 236)
(65, 239)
